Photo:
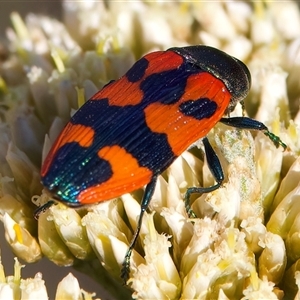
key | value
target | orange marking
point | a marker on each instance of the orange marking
(161, 61)
(127, 176)
(123, 92)
(80, 134)
(183, 130)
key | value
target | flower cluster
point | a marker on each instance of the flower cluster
(14, 287)
(244, 243)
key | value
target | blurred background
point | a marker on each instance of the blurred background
(52, 274)
(23, 7)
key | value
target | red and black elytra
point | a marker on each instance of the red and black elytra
(132, 130)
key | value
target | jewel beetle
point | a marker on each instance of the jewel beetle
(132, 130)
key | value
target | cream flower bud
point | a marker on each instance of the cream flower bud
(23, 244)
(208, 39)
(31, 50)
(185, 170)
(6, 292)
(64, 94)
(213, 25)
(51, 244)
(173, 196)
(92, 66)
(181, 229)
(239, 14)
(14, 287)
(159, 277)
(18, 211)
(160, 198)
(293, 240)
(151, 24)
(56, 127)
(33, 288)
(291, 136)
(180, 30)
(75, 15)
(44, 101)
(108, 240)
(13, 72)
(272, 80)
(240, 47)
(9, 286)
(290, 279)
(49, 27)
(262, 29)
(118, 58)
(205, 233)
(255, 232)
(268, 161)
(284, 215)
(129, 20)
(292, 65)
(133, 209)
(272, 261)
(217, 268)
(25, 174)
(288, 183)
(286, 17)
(259, 289)
(69, 289)
(68, 225)
(205, 267)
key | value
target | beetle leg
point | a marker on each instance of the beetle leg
(216, 170)
(248, 123)
(149, 190)
(42, 209)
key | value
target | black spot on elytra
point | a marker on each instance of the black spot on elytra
(138, 70)
(198, 109)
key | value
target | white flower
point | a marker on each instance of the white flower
(272, 261)
(259, 289)
(285, 213)
(33, 288)
(158, 278)
(70, 229)
(23, 244)
(69, 289)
